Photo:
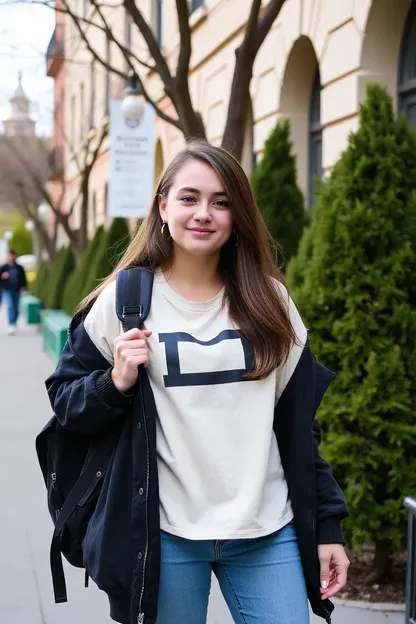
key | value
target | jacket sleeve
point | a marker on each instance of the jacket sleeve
(330, 501)
(83, 400)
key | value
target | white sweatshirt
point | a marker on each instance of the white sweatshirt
(219, 468)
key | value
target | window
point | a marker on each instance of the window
(407, 69)
(107, 77)
(159, 22)
(195, 4)
(315, 138)
(128, 30)
(72, 129)
(94, 212)
(91, 112)
(81, 113)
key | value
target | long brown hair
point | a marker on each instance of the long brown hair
(246, 261)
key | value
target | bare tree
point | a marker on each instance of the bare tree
(175, 82)
(24, 184)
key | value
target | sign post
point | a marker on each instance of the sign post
(132, 163)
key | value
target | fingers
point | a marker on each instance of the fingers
(339, 582)
(136, 357)
(325, 561)
(133, 334)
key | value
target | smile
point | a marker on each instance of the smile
(200, 232)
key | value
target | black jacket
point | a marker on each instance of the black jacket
(21, 277)
(122, 544)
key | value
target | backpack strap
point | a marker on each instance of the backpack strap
(133, 296)
(89, 474)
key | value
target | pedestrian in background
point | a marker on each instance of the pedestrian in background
(13, 281)
(217, 468)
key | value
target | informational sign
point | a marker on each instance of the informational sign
(132, 163)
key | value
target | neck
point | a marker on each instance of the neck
(195, 270)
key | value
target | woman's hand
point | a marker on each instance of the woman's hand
(130, 352)
(334, 567)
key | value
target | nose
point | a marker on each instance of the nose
(202, 212)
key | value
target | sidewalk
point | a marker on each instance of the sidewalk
(25, 526)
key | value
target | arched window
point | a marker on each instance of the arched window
(407, 69)
(315, 137)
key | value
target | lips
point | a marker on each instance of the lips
(201, 230)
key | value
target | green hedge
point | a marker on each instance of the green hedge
(76, 287)
(354, 283)
(277, 193)
(63, 266)
(39, 287)
(111, 247)
(21, 241)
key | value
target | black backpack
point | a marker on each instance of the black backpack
(73, 465)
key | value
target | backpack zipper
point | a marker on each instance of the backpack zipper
(140, 619)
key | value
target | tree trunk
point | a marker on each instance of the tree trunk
(233, 138)
(193, 126)
(382, 564)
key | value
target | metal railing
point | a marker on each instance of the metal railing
(410, 504)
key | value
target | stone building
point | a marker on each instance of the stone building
(312, 69)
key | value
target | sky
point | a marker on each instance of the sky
(25, 32)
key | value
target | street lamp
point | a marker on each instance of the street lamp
(29, 225)
(8, 235)
(43, 209)
(133, 105)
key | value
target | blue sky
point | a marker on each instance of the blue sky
(25, 31)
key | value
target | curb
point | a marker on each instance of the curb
(387, 607)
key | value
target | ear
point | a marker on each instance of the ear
(162, 207)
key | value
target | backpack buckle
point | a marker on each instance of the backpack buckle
(132, 311)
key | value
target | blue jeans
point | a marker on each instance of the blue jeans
(261, 579)
(11, 298)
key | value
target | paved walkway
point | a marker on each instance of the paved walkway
(25, 526)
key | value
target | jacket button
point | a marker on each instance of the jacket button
(139, 425)
(140, 555)
(141, 491)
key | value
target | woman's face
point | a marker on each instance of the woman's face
(197, 210)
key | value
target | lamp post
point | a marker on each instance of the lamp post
(133, 104)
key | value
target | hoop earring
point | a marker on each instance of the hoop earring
(164, 230)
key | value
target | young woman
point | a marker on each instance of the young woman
(217, 466)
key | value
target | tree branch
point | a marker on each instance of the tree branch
(251, 27)
(125, 53)
(95, 54)
(266, 21)
(185, 50)
(153, 46)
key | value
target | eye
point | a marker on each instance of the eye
(188, 199)
(222, 203)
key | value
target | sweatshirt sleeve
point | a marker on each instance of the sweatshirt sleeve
(286, 370)
(83, 400)
(102, 324)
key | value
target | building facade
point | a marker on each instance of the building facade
(312, 69)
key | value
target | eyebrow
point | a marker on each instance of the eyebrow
(189, 189)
